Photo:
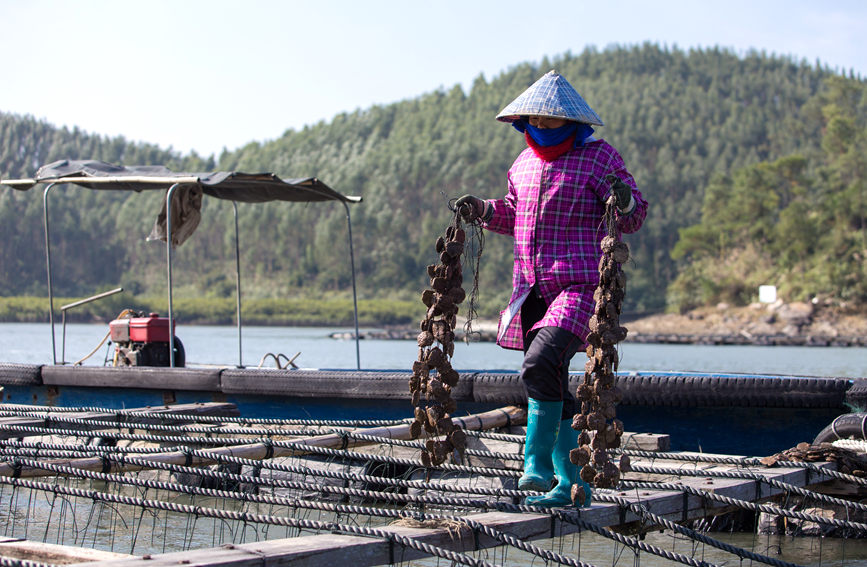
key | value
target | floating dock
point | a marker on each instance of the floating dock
(201, 484)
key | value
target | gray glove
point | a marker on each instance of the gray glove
(472, 208)
(622, 191)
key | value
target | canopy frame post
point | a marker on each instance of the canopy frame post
(354, 290)
(169, 194)
(45, 224)
(238, 282)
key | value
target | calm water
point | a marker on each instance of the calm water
(101, 527)
(31, 343)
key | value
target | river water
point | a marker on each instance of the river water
(31, 343)
(314, 347)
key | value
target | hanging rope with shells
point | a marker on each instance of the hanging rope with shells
(433, 377)
(597, 394)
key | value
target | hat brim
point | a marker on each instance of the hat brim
(551, 96)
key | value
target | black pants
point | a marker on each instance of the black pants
(547, 353)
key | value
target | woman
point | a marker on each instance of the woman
(557, 188)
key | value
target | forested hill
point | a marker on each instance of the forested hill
(684, 121)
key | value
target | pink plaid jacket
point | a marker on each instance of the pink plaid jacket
(554, 212)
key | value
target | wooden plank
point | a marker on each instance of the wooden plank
(148, 377)
(53, 553)
(303, 551)
(309, 551)
(658, 442)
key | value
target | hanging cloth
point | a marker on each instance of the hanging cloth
(186, 214)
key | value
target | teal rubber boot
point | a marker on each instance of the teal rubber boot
(543, 422)
(565, 472)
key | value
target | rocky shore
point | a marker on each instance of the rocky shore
(779, 323)
(798, 324)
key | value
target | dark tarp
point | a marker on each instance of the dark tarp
(231, 185)
(187, 197)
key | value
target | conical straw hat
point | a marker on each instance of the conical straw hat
(553, 96)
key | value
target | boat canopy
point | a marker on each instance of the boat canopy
(230, 185)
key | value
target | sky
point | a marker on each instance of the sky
(208, 75)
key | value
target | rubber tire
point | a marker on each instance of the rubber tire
(843, 427)
(499, 388)
(12, 374)
(856, 396)
(731, 391)
(180, 354)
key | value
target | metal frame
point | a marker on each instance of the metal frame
(68, 306)
(175, 183)
(48, 269)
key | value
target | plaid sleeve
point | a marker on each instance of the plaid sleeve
(632, 221)
(503, 219)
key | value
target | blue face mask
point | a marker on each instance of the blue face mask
(554, 136)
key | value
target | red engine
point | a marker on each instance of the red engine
(144, 341)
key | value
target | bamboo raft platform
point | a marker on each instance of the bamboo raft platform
(276, 475)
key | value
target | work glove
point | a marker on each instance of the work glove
(622, 192)
(472, 208)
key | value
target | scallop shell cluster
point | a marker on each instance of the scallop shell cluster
(597, 394)
(433, 377)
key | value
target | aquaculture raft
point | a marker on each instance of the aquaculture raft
(200, 484)
(701, 411)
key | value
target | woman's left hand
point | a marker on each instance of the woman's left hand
(622, 191)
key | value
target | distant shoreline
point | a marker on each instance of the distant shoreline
(649, 338)
(779, 324)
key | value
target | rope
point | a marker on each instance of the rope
(500, 506)
(96, 424)
(757, 477)
(324, 506)
(296, 447)
(745, 461)
(743, 504)
(90, 449)
(420, 444)
(10, 562)
(201, 511)
(573, 518)
(643, 513)
(477, 241)
(857, 480)
(130, 436)
(648, 517)
(483, 471)
(566, 517)
(91, 353)
(501, 472)
(284, 483)
(8, 410)
(431, 493)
